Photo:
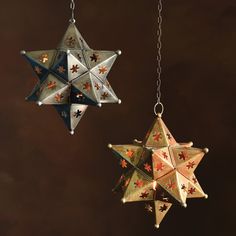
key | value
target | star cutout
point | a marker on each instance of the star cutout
(94, 57)
(70, 41)
(144, 195)
(38, 70)
(129, 153)
(159, 166)
(138, 183)
(52, 85)
(163, 208)
(61, 69)
(165, 155)
(147, 167)
(102, 70)
(182, 156)
(157, 137)
(148, 207)
(43, 58)
(123, 163)
(192, 190)
(73, 68)
(171, 185)
(64, 114)
(58, 97)
(87, 86)
(183, 187)
(77, 113)
(104, 96)
(191, 165)
(171, 179)
(97, 86)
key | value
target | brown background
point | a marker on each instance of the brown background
(52, 184)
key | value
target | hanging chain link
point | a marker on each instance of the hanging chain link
(72, 7)
(159, 69)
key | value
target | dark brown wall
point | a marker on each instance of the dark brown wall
(52, 184)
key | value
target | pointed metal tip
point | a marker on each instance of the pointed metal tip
(184, 205)
(68, 51)
(159, 115)
(119, 101)
(123, 200)
(118, 52)
(109, 145)
(206, 150)
(99, 105)
(157, 226)
(22, 52)
(206, 196)
(40, 103)
(136, 141)
(72, 132)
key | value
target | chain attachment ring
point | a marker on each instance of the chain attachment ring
(158, 105)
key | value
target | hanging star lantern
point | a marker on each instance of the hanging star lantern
(72, 77)
(159, 171)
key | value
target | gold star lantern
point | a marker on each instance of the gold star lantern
(159, 170)
(73, 76)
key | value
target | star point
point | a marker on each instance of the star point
(119, 52)
(206, 150)
(22, 52)
(61, 69)
(157, 226)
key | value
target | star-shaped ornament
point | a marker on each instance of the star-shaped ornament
(159, 170)
(72, 77)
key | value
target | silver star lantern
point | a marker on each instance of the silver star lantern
(72, 77)
(160, 171)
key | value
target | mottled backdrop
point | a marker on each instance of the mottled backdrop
(52, 184)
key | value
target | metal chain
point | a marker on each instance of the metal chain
(72, 7)
(159, 69)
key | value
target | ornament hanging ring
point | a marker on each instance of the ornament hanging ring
(158, 105)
